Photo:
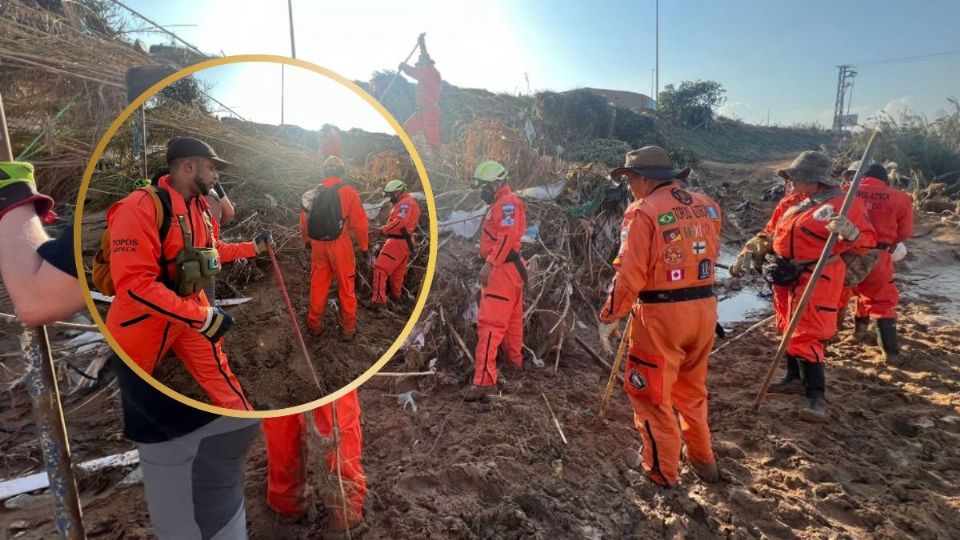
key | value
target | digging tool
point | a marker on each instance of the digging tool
(621, 352)
(817, 271)
(45, 397)
(138, 80)
(394, 79)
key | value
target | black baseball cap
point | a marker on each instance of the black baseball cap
(181, 147)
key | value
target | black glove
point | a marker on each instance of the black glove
(219, 189)
(220, 322)
(261, 241)
(721, 333)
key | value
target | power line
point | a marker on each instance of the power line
(905, 58)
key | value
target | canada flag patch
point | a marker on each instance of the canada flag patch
(675, 275)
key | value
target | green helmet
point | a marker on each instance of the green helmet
(489, 171)
(394, 186)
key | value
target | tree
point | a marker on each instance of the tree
(693, 103)
(187, 90)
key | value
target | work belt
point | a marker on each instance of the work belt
(676, 295)
(405, 236)
(514, 257)
(883, 245)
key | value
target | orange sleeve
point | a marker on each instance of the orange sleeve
(414, 72)
(358, 220)
(233, 251)
(394, 223)
(303, 227)
(135, 263)
(631, 277)
(905, 219)
(868, 236)
(504, 231)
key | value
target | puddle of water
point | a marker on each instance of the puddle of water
(743, 305)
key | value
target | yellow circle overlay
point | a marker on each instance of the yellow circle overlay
(431, 211)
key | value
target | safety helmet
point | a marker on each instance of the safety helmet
(489, 171)
(333, 166)
(394, 186)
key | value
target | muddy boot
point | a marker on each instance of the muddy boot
(511, 384)
(790, 383)
(347, 336)
(706, 472)
(814, 385)
(477, 393)
(887, 337)
(842, 317)
(861, 330)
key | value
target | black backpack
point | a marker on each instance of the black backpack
(326, 216)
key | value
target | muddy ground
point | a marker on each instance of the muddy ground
(887, 465)
(263, 349)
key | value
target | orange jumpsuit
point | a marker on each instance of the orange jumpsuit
(147, 318)
(331, 146)
(286, 461)
(799, 233)
(500, 319)
(391, 264)
(333, 259)
(427, 117)
(670, 241)
(780, 295)
(891, 214)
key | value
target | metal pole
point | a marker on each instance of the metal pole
(394, 79)
(42, 387)
(293, 44)
(656, 91)
(817, 271)
(282, 93)
(143, 139)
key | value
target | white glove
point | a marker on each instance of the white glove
(606, 331)
(899, 252)
(844, 228)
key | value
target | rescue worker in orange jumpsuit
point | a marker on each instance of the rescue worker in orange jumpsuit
(891, 214)
(287, 463)
(800, 227)
(391, 263)
(149, 316)
(669, 242)
(332, 256)
(504, 274)
(330, 144)
(427, 117)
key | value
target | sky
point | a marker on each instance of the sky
(776, 56)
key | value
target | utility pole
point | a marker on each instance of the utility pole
(844, 95)
(656, 91)
(293, 53)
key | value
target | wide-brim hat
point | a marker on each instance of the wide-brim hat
(810, 167)
(651, 162)
(181, 147)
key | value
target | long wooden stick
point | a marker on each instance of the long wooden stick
(394, 79)
(45, 397)
(555, 421)
(621, 352)
(817, 271)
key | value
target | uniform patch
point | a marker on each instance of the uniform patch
(824, 213)
(699, 247)
(508, 217)
(682, 196)
(666, 218)
(624, 230)
(712, 212)
(704, 269)
(672, 235)
(673, 255)
(403, 210)
(695, 231)
(675, 275)
(637, 380)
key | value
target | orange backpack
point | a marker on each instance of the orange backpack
(102, 279)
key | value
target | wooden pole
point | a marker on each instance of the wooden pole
(621, 352)
(394, 79)
(817, 271)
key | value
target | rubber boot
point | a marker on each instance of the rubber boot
(842, 317)
(861, 330)
(707, 472)
(477, 393)
(814, 385)
(887, 337)
(790, 383)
